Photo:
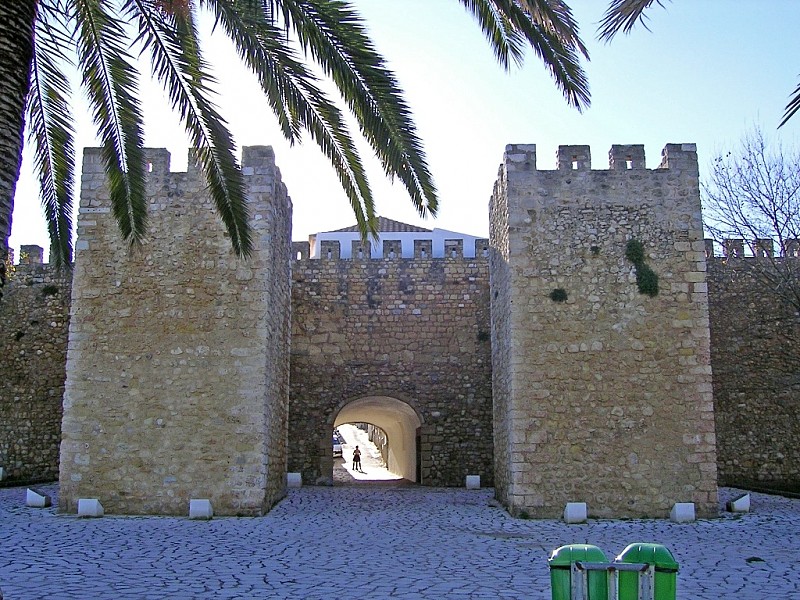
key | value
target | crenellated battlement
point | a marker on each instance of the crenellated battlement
(31, 269)
(621, 157)
(748, 249)
(158, 160)
(394, 249)
(258, 170)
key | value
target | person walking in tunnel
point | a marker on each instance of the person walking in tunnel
(357, 460)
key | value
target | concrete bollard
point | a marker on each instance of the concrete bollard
(575, 512)
(294, 480)
(473, 482)
(200, 508)
(682, 512)
(36, 499)
(90, 507)
(740, 504)
(2, 473)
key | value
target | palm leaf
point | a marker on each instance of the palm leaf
(496, 27)
(792, 107)
(552, 33)
(50, 129)
(110, 84)
(171, 38)
(622, 15)
(293, 94)
(334, 36)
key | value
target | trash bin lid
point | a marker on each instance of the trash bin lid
(652, 554)
(565, 555)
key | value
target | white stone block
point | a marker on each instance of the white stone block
(2, 473)
(294, 480)
(740, 504)
(473, 482)
(35, 499)
(575, 512)
(90, 507)
(200, 508)
(682, 512)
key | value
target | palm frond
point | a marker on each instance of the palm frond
(504, 42)
(622, 15)
(335, 37)
(292, 91)
(110, 83)
(792, 107)
(556, 16)
(171, 38)
(51, 131)
(553, 34)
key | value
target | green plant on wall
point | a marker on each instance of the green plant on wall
(558, 295)
(10, 268)
(646, 278)
(634, 252)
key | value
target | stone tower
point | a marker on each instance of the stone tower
(602, 393)
(177, 362)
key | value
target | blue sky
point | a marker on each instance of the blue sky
(705, 72)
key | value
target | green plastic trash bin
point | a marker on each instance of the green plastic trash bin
(561, 577)
(665, 583)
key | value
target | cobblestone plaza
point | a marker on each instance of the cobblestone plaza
(374, 541)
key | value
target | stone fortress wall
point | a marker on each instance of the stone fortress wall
(603, 393)
(34, 316)
(416, 330)
(754, 383)
(177, 366)
(755, 353)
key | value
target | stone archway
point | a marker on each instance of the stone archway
(400, 422)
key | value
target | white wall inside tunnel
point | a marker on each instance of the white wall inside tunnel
(398, 420)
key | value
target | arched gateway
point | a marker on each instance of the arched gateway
(400, 341)
(399, 421)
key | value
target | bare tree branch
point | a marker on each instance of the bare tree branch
(752, 209)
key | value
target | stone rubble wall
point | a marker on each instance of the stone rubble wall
(34, 316)
(415, 330)
(755, 351)
(177, 365)
(501, 310)
(609, 394)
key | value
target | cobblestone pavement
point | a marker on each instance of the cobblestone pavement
(415, 542)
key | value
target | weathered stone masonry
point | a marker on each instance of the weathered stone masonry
(177, 366)
(601, 427)
(755, 351)
(34, 316)
(413, 329)
(606, 397)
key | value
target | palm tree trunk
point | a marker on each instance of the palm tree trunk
(17, 18)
